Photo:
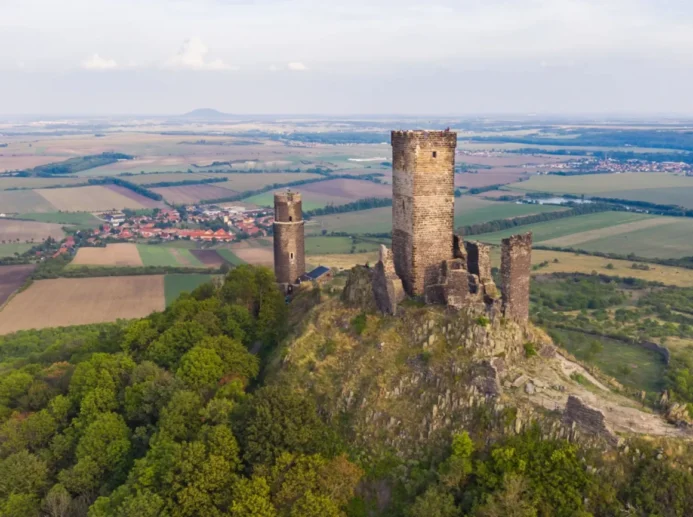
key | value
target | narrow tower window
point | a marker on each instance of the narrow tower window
(291, 218)
(435, 154)
(291, 256)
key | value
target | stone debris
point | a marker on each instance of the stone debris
(585, 419)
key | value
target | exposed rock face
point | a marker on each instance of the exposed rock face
(387, 286)
(358, 291)
(587, 420)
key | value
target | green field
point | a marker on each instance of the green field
(310, 201)
(658, 188)
(82, 219)
(175, 285)
(153, 255)
(15, 182)
(228, 255)
(337, 245)
(468, 210)
(23, 201)
(631, 365)
(7, 250)
(563, 227)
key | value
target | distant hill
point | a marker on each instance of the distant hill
(206, 114)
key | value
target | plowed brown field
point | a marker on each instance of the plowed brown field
(79, 301)
(120, 254)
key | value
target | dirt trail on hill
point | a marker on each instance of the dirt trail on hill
(622, 415)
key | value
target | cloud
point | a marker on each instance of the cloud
(297, 66)
(96, 62)
(192, 56)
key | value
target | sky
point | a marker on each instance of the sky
(428, 57)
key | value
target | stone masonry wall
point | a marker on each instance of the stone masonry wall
(516, 267)
(289, 243)
(423, 167)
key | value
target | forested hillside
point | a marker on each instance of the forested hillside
(177, 414)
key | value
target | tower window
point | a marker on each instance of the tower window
(291, 218)
(435, 154)
(291, 256)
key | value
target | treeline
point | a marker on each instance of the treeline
(487, 188)
(684, 262)
(139, 189)
(74, 165)
(506, 224)
(184, 182)
(361, 204)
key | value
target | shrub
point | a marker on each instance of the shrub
(530, 350)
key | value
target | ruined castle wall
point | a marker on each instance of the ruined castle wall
(423, 167)
(516, 267)
(478, 259)
(289, 240)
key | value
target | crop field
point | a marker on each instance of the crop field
(231, 258)
(245, 182)
(486, 177)
(651, 187)
(340, 245)
(23, 201)
(12, 278)
(119, 254)
(79, 301)
(81, 219)
(175, 285)
(13, 182)
(153, 255)
(568, 226)
(87, 199)
(23, 231)
(23, 161)
(7, 250)
(322, 193)
(193, 193)
(342, 260)
(210, 258)
(258, 252)
(566, 262)
(468, 210)
(149, 179)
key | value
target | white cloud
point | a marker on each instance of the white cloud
(193, 56)
(297, 66)
(96, 62)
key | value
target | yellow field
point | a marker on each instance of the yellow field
(120, 254)
(79, 301)
(344, 261)
(572, 263)
(87, 199)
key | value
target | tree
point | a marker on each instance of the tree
(174, 342)
(201, 368)
(251, 497)
(435, 502)
(22, 473)
(512, 500)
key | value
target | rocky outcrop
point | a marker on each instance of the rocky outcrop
(358, 292)
(387, 286)
(583, 419)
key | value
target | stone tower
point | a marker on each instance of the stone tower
(289, 246)
(516, 268)
(423, 203)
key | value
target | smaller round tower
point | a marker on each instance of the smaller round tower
(289, 244)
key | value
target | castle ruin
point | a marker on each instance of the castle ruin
(289, 242)
(427, 259)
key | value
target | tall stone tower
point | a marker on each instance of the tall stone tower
(516, 268)
(423, 204)
(289, 245)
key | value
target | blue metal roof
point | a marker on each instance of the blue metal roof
(318, 272)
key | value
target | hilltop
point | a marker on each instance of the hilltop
(206, 114)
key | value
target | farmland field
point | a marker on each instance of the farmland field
(119, 254)
(153, 255)
(258, 252)
(230, 257)
(468, 210)
(87, 199)
(7, 250)
(82, 219)
(566, 262)
(244, 182)
(336, 192)
(12, 278)
(78, 301)
(23, 201)
(328, 245)
(568, 226)
(342, 260)
(13, 229)
(149, 179)
(189, 194)
(175, 285)
(486, 177)
(210, 258)
(651, 187)
(14, 182)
